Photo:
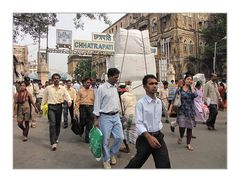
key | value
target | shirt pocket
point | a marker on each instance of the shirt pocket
(59, 94)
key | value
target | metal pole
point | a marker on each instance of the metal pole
(214, 58)
(47, 49)
(38, 50)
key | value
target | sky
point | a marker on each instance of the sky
(58, 62)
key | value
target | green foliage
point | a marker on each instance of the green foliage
(83, 68)
(79, 24)
(36, 24)
(33, 24)
(216, 32)
(93, 74)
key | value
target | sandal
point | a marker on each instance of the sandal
(179, 141)
(189, 147)
(124, 150)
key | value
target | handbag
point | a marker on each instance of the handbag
(177, 100)
(75, 126)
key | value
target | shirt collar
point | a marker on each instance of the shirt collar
(55, 87)
(149, 99)
(110, 85)
(214, 83)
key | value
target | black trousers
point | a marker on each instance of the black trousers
(25, 128)
(86, 120)
(144, 150)
(54, 117)
(65, 112)
(213, 112)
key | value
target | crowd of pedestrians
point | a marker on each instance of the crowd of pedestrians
(114, 109)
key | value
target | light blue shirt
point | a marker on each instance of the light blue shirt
(76, 86)
(106, 100)
(148, 115)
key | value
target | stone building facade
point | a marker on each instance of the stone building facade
(33, 67)
(176, 36)
(20, 62)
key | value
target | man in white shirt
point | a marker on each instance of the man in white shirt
(76, 86)
(106, 108)
(39, 96)
(211, 92)
(148, 125)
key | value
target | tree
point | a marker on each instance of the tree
(79, 24)
(215, 32)
(83, 68)
(93, 74)
(36, 24)
(33, 24)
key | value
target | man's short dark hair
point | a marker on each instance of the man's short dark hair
(85, 79)
(165, 83)
(198, 84)
(146, 77)
(56, 74)
(68, 81)
(27, 79)
(112, 72)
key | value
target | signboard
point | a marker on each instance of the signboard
(79, 52)
(153, 50)
(102, 37)
(171, 91)
(93, 46)
(64, 37)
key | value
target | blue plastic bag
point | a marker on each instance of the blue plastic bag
(95, 142)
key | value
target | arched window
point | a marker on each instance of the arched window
(201, 48)
(184, 21)
(154, 25)
(190, 47)
(185, 49)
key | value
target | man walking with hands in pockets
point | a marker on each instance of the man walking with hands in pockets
(148, 125)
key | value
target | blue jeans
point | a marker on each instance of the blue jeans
(111, 124)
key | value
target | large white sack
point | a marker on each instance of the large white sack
(134, 42)
(199, 77)
(137, 89)
(133, 67)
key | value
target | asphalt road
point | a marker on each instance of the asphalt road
(210, 149)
